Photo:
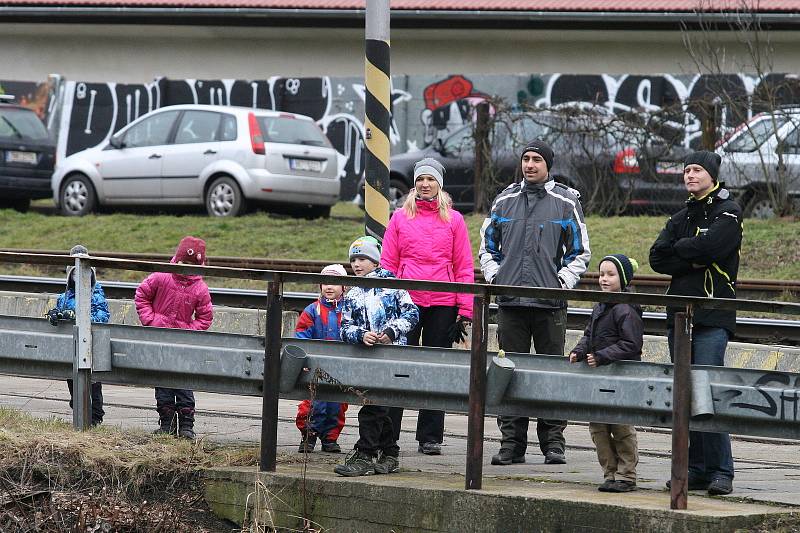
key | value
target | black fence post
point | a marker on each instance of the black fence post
(477, 392)
(272, 369)
(681, 410)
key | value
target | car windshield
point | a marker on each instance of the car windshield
(755, 133)
(21, 124)
(287, 130)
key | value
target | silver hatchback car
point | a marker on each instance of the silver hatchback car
(220, 156)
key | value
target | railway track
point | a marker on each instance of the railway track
(748, 288)
(760, 330)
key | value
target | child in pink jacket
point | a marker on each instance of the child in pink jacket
(165, 300)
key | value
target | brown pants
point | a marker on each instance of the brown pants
(617, 450)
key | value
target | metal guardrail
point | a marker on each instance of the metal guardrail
(92, 341)
(773, 331)
(726, 400)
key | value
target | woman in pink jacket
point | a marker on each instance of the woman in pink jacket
(165, 300)
(427, 240)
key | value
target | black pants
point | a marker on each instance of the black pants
(170, 401)
(97, 401)
(375, 432)
(434, 323)
(516, 326)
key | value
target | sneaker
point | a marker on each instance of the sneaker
(387, 464)
(694, 483)
(430, 448)
(506, 457)
(307, 445)
(606, 486)
(555, 457)
(330, 446)
(621, 485)
(356, 464)
(720, 486)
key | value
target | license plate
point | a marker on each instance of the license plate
(669, 167)
(305, 164)
(29, 158)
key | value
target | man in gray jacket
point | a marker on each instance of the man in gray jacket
(535, 236)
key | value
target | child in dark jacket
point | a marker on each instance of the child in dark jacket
(370, 317)
(166, 300)
(320, 320)
(614, 333)
(65, 310)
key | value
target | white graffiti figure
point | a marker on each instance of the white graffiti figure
(293, 86)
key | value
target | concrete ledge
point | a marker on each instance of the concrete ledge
(428, 502)
(253, 322)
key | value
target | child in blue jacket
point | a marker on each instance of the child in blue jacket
(65, 310)
(371, 317)
(320, 320)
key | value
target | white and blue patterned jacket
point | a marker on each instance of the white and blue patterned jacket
(378, 310)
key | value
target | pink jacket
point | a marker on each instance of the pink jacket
(428, 248)
(166, 300)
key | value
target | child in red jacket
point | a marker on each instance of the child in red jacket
(165, 300)
(320, 320)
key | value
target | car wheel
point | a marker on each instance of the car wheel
(760, 206)
(77, 196)
(224, 198)
(21, 206)
(397, 194)
(318, 211)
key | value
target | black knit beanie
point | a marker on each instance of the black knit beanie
(708, 160)
(625, 267)
(541, 148)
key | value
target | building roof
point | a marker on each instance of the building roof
(416, 14)
(762, 6)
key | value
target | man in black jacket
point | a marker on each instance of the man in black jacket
(535, 236)
(699, 248)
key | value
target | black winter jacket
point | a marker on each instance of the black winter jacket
(535, 236)
(699, 248)
(614, 333)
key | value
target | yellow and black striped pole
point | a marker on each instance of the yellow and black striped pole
(378, 118)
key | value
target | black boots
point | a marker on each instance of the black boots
(186, 423)
(166, 421)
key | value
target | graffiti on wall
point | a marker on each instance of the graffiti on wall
(426, 109)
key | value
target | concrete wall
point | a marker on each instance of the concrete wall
(132, 54)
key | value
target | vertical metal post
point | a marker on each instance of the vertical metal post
(378, 111)
(272, 371)
(82, 363)
(477, 392)
(681, 410)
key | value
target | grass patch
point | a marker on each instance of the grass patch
(55, 479)
(771, 249)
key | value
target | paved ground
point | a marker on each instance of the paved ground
(766, 470)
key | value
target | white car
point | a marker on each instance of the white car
(220, 156)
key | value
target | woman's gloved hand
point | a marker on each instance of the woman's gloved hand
(458, 331)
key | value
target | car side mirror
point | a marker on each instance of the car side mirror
(116, 142)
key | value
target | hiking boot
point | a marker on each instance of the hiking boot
(720, 486)
(307, 445)
(621, 485)
(357, 463)
(186, 423)
(606, 486)
(506, 457)
(331, 446)
(554, 457)
(694, 483)
(387, 464)
(167, 425)
(430, 448)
